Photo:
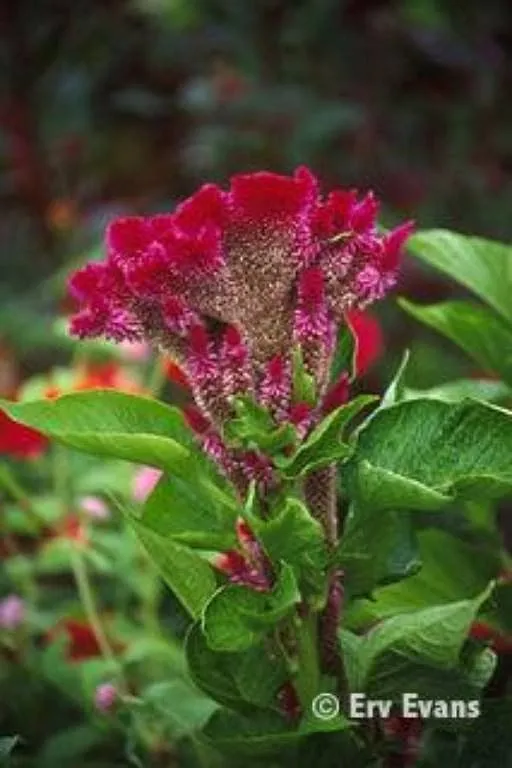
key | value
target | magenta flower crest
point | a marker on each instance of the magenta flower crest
(232, 281)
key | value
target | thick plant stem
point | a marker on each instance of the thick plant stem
(321, 497)
(320, 493)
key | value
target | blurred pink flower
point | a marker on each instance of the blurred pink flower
(105, 697)
(94, 507)
(12, 612)
(145, 479)
(135, 351)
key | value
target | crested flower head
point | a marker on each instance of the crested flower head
(233, 279)
(237, 256)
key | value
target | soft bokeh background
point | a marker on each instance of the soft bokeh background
(126, 106)
(119, 105)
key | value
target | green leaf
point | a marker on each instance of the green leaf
(188, 514)
(460, 389)
(324, 446)
(423, 454)
(190, 577)
(423, 651)
(237, 617)
(110, 423)
(483, 266)
(395, 390)
(477, 330)
(303, 383)
(376, 548)
(212, 672)
(259, 673)
(265, 734)
(292, 535)
(176, 704)
(451, 570)
(240, 681)
(254, 427)
(344, 356)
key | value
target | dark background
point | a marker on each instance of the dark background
(110, 106)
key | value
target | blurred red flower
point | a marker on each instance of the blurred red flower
(19, 441)
(369, 339)
(175, 374)
(496, 640)
(82, 642)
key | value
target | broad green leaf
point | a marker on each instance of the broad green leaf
(262, 735)
(186, 513)
(451, 570)
(324, 445)
(376, 548)
(422, 454)
(481, 333)
(110, 423)
(424, 651)
(240, 681)
(454, 391)
(265, 734)
(123, 426)
(483, 266)
(190, 577)
(237, 617)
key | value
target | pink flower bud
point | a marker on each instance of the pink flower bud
(94, 507)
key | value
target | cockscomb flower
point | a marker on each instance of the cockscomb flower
(233, 280)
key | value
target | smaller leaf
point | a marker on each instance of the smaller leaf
(179, 706)
(425, 652)
(186, 513)
(303, 384)
(189, 576)
(489, 390)
(292, 535)
(254, 428)
(395, 390)
(324, 446)
(237, 617)
(344, 356)
(481, 333)
(483, 266)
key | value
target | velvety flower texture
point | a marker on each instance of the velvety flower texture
(232, 279)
